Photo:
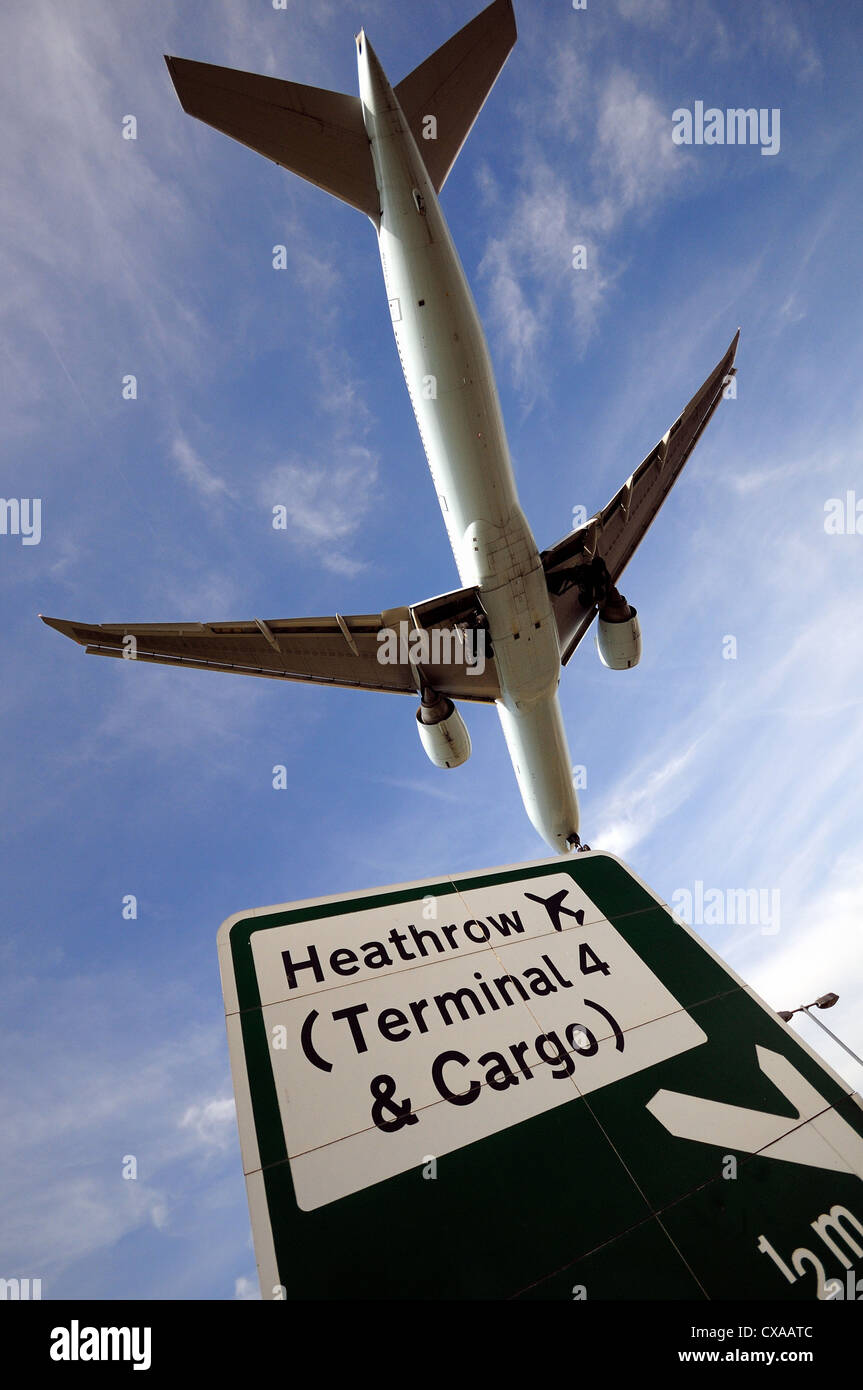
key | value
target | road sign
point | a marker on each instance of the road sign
(529, 1082)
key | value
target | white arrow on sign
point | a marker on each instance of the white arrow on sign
(825, 1142)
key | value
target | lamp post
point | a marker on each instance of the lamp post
(824, 1001)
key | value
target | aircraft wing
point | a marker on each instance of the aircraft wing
(584, 563)
(338, 650)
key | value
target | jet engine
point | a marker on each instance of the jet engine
(442, 731)
(618, 633)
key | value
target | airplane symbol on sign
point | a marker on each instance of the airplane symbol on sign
(555, 909)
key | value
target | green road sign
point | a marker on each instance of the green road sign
(531, 1082)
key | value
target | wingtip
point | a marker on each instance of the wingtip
(61, 625)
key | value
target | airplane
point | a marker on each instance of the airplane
(521, 612)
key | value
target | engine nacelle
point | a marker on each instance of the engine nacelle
(618, 634)
(442, 731)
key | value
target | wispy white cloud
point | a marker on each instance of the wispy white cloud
(654, 14)
(91, 220)
(166, 713)
(97, 1096)
(67, 554)
(770, 31)
(208, 594)
(756, 478)
(529, 271)
(635, 161)
(534, 280)
(423, 787)
(340, 393)
(777, 34)
(651, 792)
(196, 472)
(516, 318)
(820, 951)
(326, 504)
(212, 1121)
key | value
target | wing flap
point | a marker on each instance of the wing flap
(337, 650)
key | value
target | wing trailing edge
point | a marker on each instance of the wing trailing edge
(425, 647)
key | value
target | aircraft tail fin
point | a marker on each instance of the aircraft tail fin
(451, 86)
(321, 136)
(317, 134)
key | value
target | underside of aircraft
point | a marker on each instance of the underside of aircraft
(503, 637)
(581, 570)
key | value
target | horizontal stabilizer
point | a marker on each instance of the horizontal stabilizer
(317, 134)
(600, 550)
(452, 86)
(343, 651)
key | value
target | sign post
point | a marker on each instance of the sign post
(529, 1082)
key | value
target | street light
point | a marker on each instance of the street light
(824, 1001)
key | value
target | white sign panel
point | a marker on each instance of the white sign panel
(402, 1032)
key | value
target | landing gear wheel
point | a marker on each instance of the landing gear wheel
(575, 844)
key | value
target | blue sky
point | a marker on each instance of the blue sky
(258, 387)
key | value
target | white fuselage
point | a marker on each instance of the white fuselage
(449, 377)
